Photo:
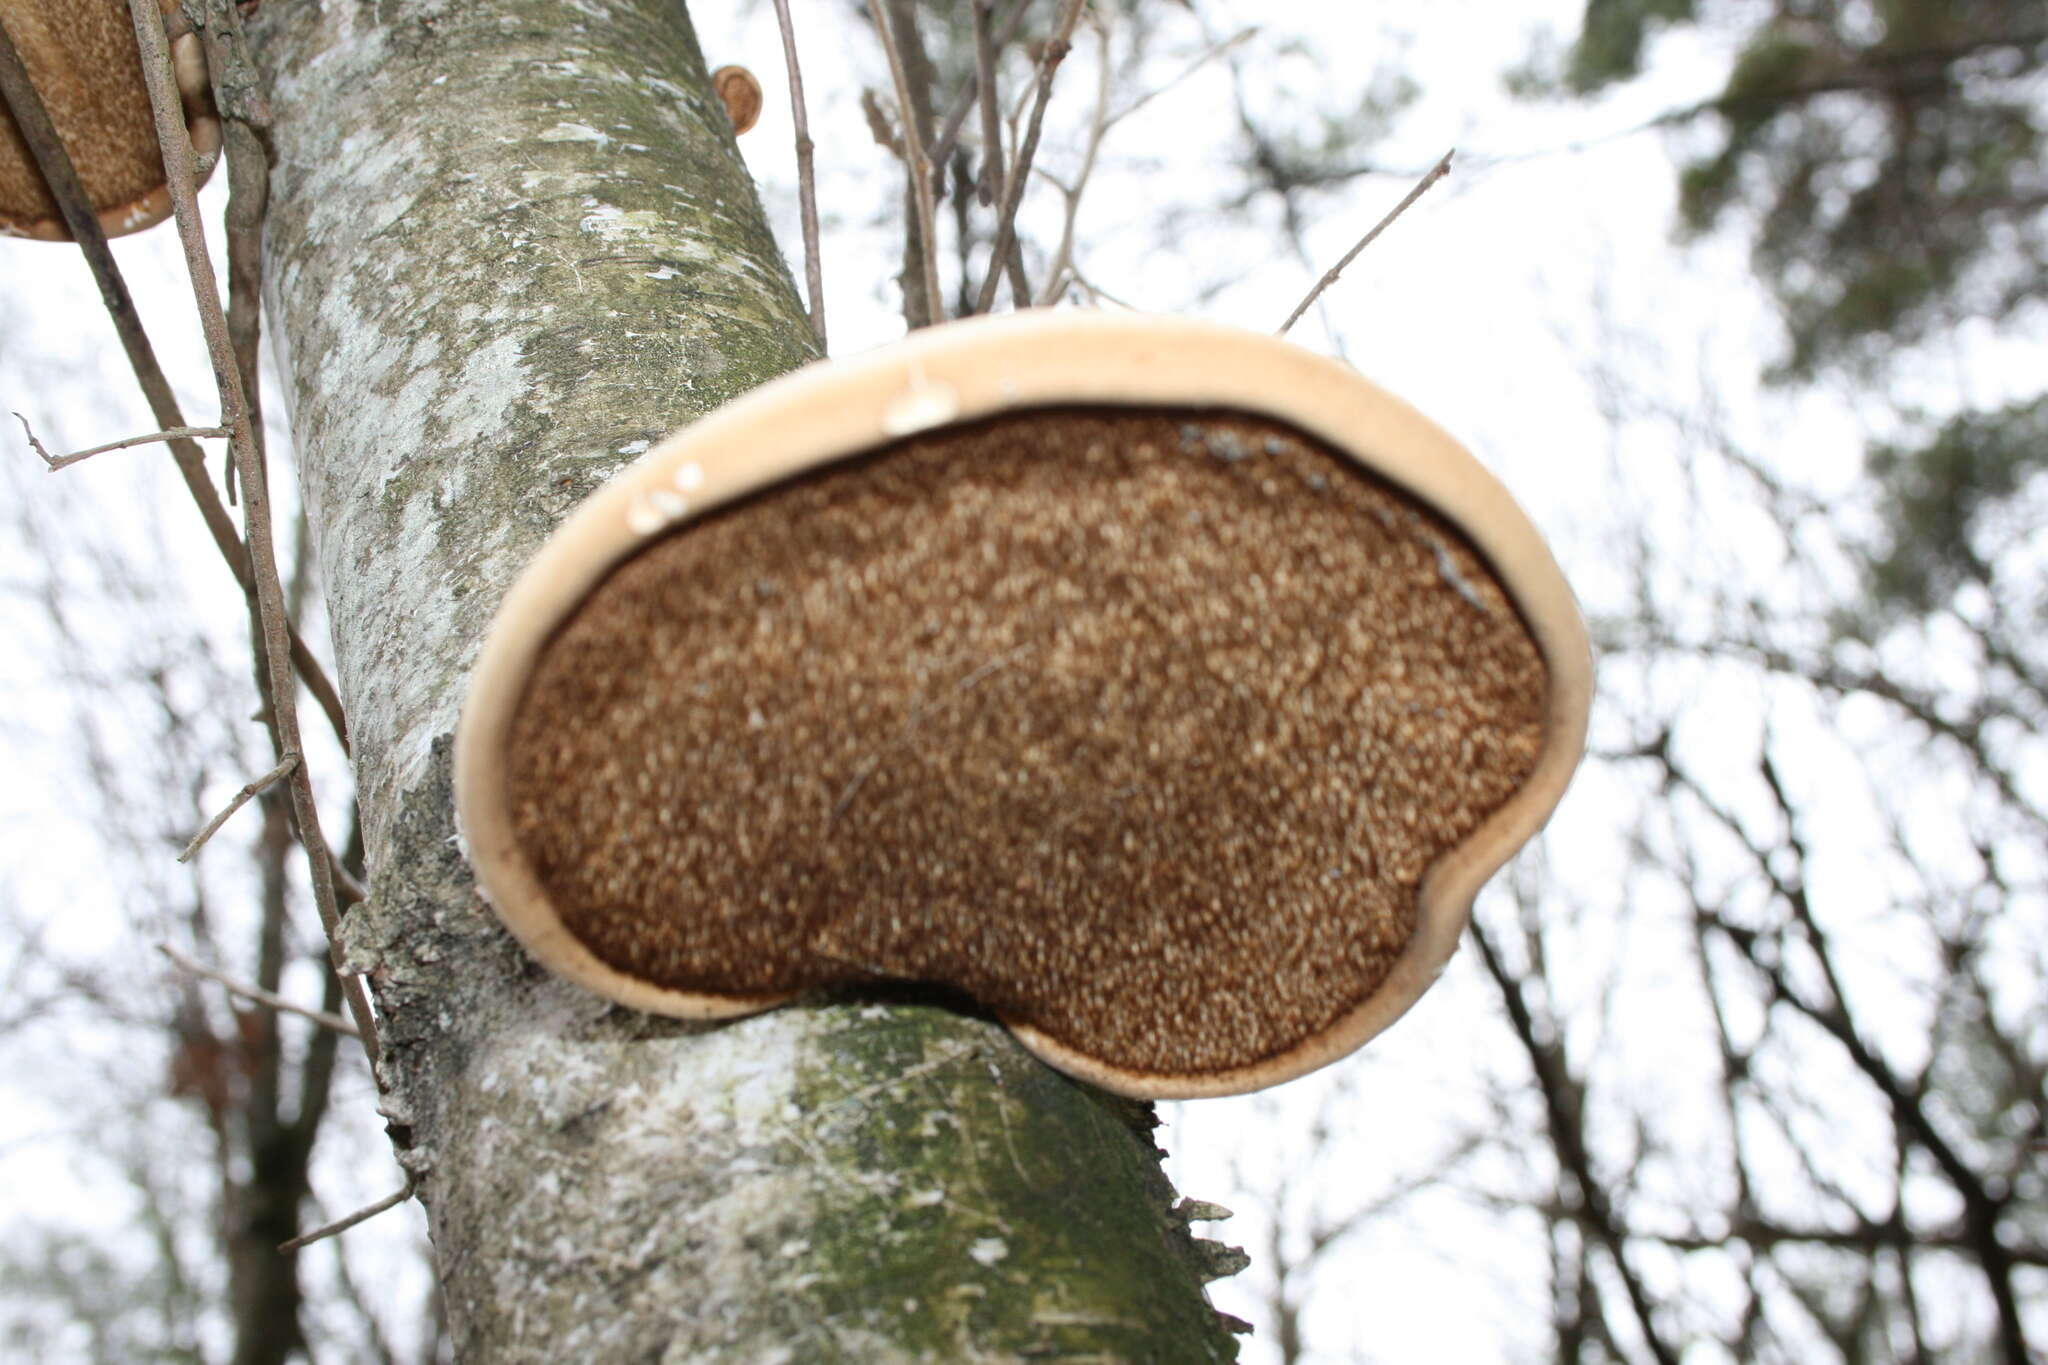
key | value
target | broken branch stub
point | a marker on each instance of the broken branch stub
(81, 57)
(1168, 689)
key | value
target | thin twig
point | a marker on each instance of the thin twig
(1020, 173)
(32, 120)
(362, 1215)
(268, 999)
(1098, 128)
(1434, 174)
(241, 799)
(57, 462)
(177, 155)
(920, 168)
(806, 175)
(1207, 55)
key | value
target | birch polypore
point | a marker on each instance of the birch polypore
(81, 58)
(1168, 690)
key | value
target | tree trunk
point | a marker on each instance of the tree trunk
(510, 244)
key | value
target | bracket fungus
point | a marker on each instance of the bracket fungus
(1166, 689)
(81, 57)
(740, 93)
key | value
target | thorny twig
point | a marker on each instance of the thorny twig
(920, 166)
(241, 798)
(1430, 177)
(362, 1215)
(177, 155)
(806, 176)
(57, 462)
(1006, 227)
(32, 120)
(269, 999)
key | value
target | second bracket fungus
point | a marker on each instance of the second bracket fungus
(81, 58)
(1169, 690)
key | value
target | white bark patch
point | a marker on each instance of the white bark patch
(576, 132)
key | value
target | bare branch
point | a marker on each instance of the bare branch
(1056, 48)
(57, 462)
(362, 1215)
(1564, 1108)
(806, 176)
(949, 133)
(241, 798)
(920, 166)
(177, 155)
(991, 186)
(269, 999)
(1434, 174)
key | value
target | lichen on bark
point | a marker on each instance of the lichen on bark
(510, 244)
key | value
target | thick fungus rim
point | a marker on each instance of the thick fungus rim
(961, 373)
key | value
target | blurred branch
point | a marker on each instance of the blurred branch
(1055, 51)
(924, 202)
(992, 180)
(270, 999)
(1983, 1210)
(1564, 1105)
(949, 132)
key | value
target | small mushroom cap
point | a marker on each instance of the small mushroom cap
(1168, 689)
(82, 59)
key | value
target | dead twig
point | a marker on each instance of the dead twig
(806, 175)
(268, 999)
(57, 462)
(1055, 52)
(362, 1215)
(920, 167)
(241, 799)
(1430, 177)
(32, 120)
(270, 605)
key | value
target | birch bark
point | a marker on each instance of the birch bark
(511, 244)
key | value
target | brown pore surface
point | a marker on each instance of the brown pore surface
(81, 58)
(1139, 726)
